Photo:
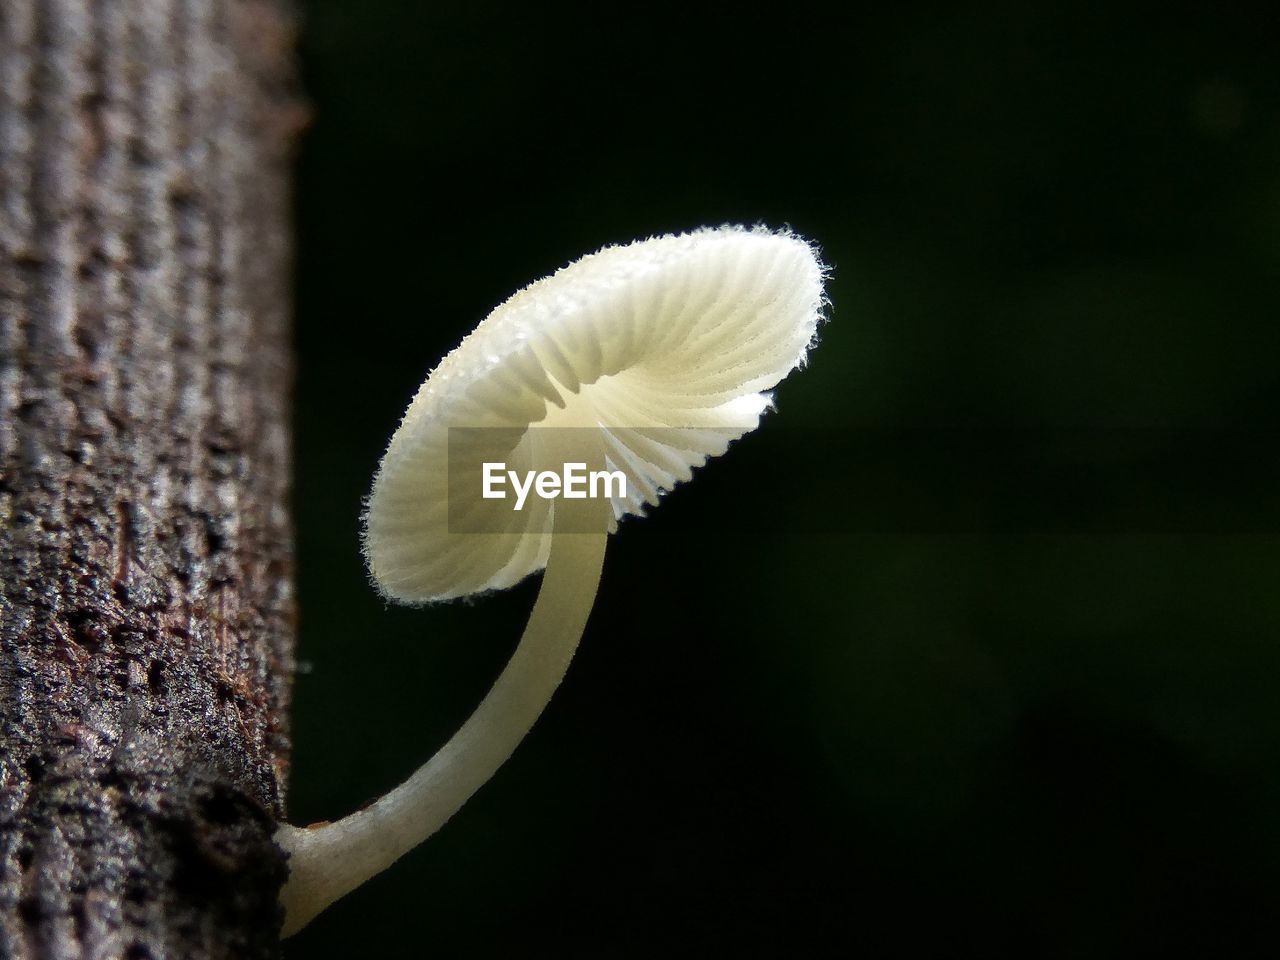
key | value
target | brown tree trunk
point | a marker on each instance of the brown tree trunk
(146, 612)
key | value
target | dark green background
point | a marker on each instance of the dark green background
(1051, 738)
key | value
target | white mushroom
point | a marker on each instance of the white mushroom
(645, 359)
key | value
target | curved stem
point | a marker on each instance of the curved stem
(329, 861)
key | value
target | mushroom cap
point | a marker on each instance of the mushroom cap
(660, 351)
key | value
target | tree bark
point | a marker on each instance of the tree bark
(146, 611)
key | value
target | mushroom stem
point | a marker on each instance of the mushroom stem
(328, 861)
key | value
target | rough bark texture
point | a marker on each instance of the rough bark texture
(146, 613)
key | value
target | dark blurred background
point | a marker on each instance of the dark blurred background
(855, 690)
